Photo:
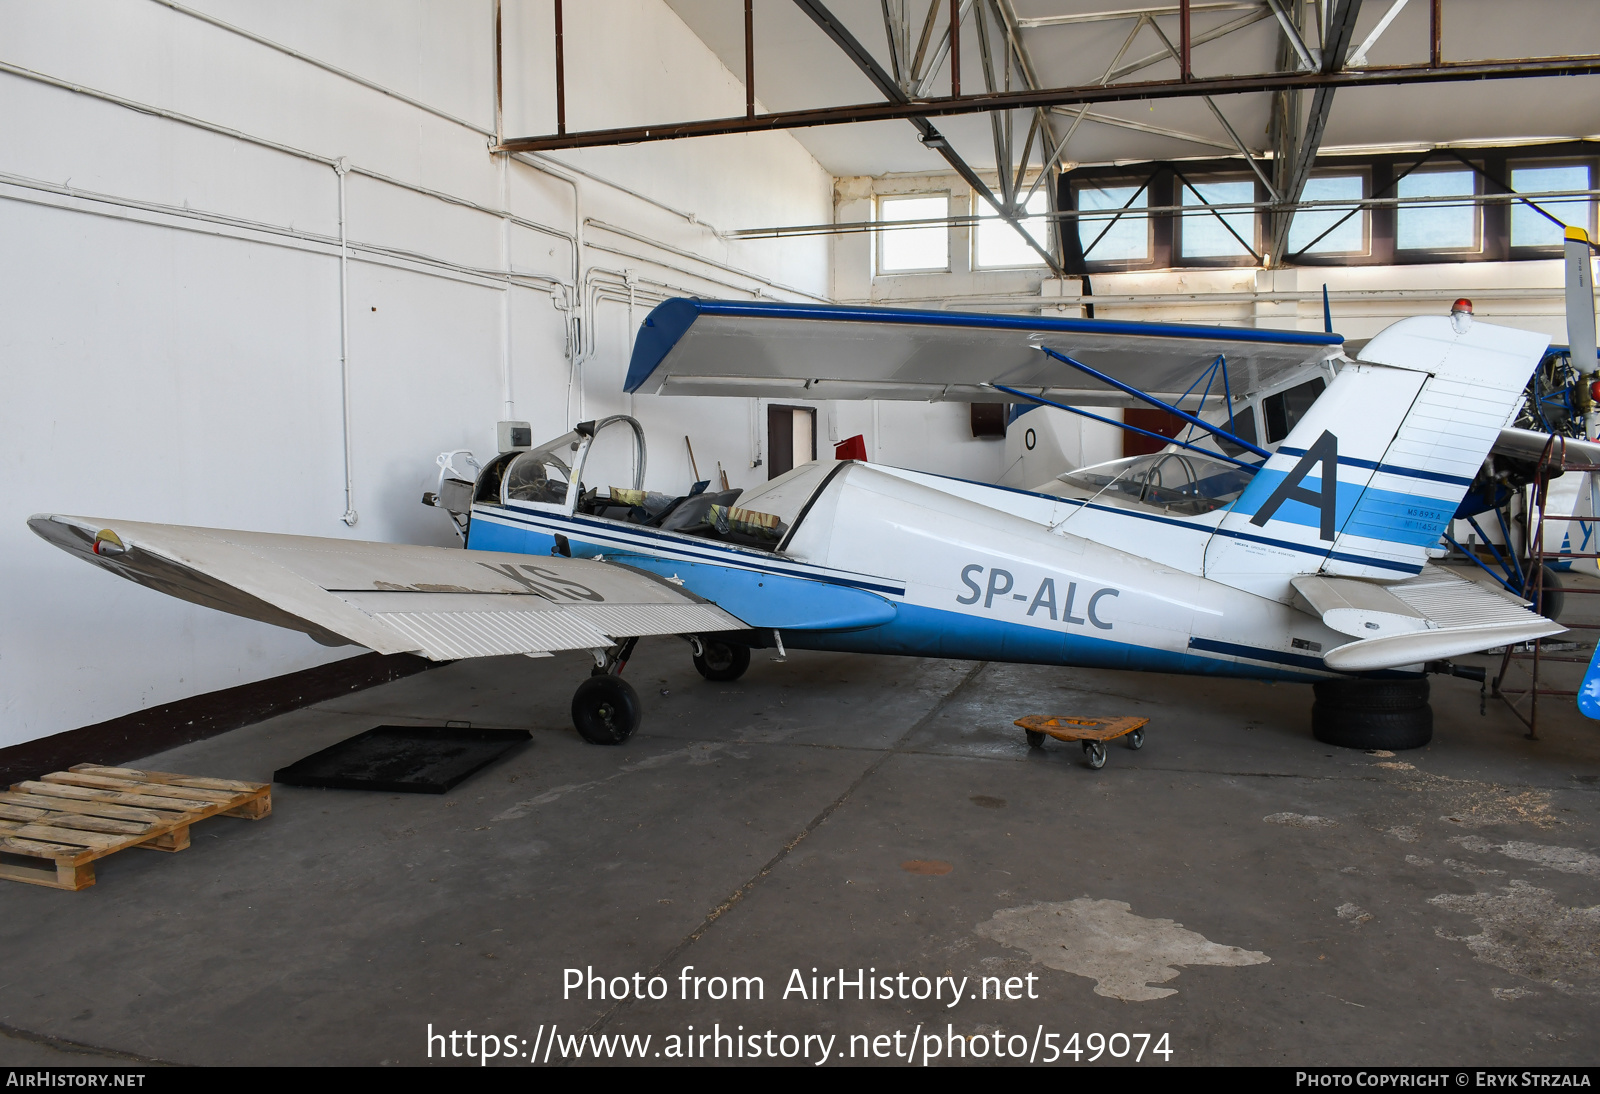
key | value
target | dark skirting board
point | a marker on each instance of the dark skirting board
(404, 759)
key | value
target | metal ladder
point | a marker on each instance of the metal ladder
(1531, 662)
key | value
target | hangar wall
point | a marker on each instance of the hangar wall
(170, 306)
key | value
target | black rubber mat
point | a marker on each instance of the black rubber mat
(408, 759)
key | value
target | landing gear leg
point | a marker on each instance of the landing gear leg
(612, 661)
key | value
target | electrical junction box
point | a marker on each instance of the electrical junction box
(514, 435)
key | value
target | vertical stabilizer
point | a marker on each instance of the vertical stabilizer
(1372, 474)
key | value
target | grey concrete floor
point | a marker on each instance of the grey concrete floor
(1438, 906)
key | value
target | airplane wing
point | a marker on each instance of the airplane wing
(443, 603)
(1530, 444)
(712, 347)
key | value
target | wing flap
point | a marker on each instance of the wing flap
(444, 603)
(1434, 615)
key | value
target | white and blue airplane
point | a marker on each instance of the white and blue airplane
(1290, 535)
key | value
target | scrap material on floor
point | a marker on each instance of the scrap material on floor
(52, 829)
(403, 759)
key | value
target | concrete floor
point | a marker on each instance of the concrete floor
(1440, 906)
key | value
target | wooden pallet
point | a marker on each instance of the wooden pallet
(54, 828)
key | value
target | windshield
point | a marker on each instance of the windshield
(1185, 483)
(542, 474)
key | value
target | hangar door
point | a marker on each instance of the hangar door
(791, 438)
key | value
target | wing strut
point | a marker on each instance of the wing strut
(1221, 434)
(1042, 401)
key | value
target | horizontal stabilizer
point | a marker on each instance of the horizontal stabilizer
(816, 351)
(443, 603)
(1434, 615)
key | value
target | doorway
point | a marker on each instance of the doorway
(791, 438)
(1156, 421)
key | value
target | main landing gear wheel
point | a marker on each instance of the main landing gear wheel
(1553, 599)
(1369, 714)
(1094, 754)
(606, 710)
(721, 661)
(1035, 738)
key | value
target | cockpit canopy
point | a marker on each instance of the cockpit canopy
(1182, 483)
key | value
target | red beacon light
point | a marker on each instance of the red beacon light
(1461, 305)
(1461, 315)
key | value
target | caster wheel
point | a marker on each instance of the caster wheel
(605, 710)
(1094, 754)
(722, 661)
(1135, 739)
(1035, 738)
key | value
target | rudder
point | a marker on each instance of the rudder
(1401, 432)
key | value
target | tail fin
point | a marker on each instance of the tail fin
(1370, 477)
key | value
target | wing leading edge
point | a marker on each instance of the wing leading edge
(712, 347)
(443, 603)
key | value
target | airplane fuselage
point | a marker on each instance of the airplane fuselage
(890, 561)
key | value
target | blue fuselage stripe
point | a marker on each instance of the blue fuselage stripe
(1386, 468)
(1381, 563)
(649, 543)
(1366, 511)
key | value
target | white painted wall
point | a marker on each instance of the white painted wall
(170, 305)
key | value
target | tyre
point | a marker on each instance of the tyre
(1393, 730)
(1035, 738)
(721, 660)
(1094, 754)
(1135, 739)
(1372, 695)
(605, 710)
(1554, 599)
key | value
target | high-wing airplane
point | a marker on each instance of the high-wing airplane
(1288, 535)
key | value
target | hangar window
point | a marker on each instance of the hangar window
(1000, 246)
(1122, 232)
(1331, 229)
(1528, 227)
(1203, 233)
(1443, 227)
(913, 250)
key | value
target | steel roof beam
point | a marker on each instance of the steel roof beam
(1341, 28)
(922, 109)
(931, 137)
